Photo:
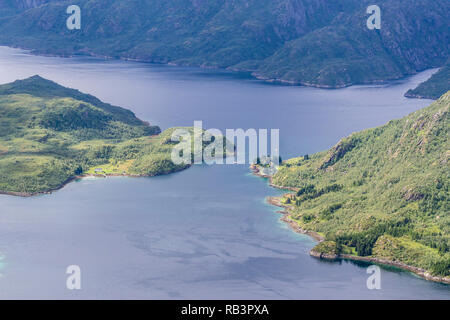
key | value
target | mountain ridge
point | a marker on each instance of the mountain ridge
(315, 43)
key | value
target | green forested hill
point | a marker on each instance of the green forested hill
(382, 192)
(311, 42)
(50, 134)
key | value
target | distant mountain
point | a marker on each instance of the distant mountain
(313, 42)
(433, 88)
(50, 134)
(382, 193)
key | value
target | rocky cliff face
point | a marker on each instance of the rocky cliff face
(412, 38)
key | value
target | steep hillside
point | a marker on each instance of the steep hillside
(312, 42)
(381, 193)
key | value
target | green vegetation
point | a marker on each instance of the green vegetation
(327, 247)
(433, 88)
(310, 42)
(382, 192)
(50, 134)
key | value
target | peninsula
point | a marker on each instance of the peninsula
(380, 195)
(51, 135)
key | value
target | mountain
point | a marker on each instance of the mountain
(382, 193)
(433, 88)
(50, 134)
(312, 42)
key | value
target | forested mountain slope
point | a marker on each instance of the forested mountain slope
(312, 42)
(382, 192)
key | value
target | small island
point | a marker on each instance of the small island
(380, 195)
(51, 135)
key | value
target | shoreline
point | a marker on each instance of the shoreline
(275, 201)
(80, 177)
(251, 74)
(417, 96)
(286, 218)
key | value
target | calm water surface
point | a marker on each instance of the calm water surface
(202, 233)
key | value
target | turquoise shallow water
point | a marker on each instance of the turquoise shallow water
(202, 233)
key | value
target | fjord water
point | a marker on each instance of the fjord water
(204, 233)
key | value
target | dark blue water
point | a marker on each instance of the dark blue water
(204, 233)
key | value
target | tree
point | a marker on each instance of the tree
(78, 170)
